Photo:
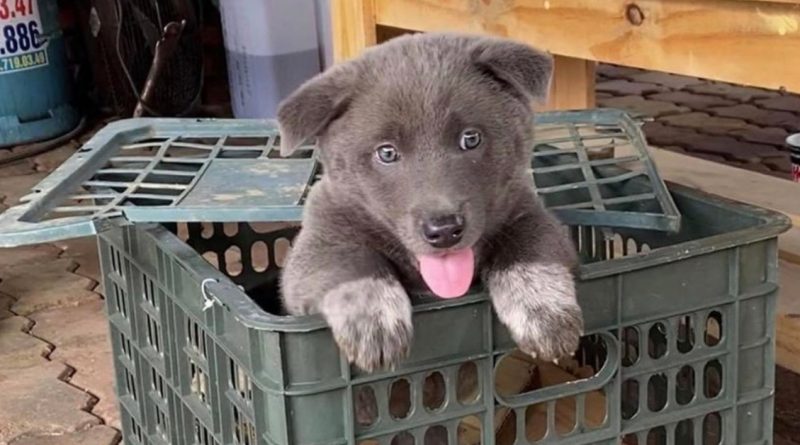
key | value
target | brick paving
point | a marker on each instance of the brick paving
(736, 125)
(56, 372)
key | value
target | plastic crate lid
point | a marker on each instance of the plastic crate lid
(155, 170)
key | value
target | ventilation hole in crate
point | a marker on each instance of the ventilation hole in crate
(202, 436)
(594, 408)
(630, 398)
(244, 432)
(136, 430)
(149, 291)
(212, 258)
(713, 332)
(657, 436)
(259, 256)
(400, 399)
(434, 391)
(617, 247)
(125, 345)
(207, 230)
(230, 229)
(369, 442)
(162, 424)
(365, 405)
(630, 439)
(684, 432)
(685, 334)
(158, 385)
(657, 387)
(282, 248)
(645, 248)
(153, 333)
(196, 337)
(120, 300)
(469, 431)
(505, 426)
(199, 382)
(468, 384)
(712, 379)
(630, 344)
(182, 231)
(657, 344)
(130, 383)
(712, 429)
(566, 420)
(240, 381)
(684, 385)
(233, 261)
(436, 435)
(630, 247)
(403, 438)
(536, 422)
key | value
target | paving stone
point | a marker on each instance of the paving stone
(35, 254)
(733, 92)
(14, 187)
(693, 101)
(762, 135)
(672, 81)
(780, 164)
(17, 168)
(626, 88)
(757, 167)
(5, 306)
(97, 435)
(726, 146)
(600, 96)
(49, 161)
(705, 123)
(81, 338)
(18, 349)
(39, 403)
(84, 252)
(673, 148)
(638, 104)
(788, 102)
(37, 288)
(760, 116)
(661, 135)
(708, 157)
(617, 71)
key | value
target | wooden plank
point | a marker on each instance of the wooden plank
(703, 38)
(353, 25)
(573, 84)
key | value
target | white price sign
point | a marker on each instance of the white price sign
(22, 45)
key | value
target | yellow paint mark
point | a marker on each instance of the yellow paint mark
(780, 23)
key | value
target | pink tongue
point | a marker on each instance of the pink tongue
(448, 275)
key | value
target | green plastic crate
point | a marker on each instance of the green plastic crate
(679, 346)
(236, 374)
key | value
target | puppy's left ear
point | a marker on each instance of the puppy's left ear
(523, 69)
(308, 111)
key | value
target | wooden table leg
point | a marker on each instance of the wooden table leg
(353, 27)
(573, 84)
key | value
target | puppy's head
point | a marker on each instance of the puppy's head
(428, 132)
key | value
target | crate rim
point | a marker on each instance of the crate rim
(247, 312)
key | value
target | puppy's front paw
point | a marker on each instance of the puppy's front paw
(537, 303)
(371, 322)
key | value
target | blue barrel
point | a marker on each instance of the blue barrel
(34, 84)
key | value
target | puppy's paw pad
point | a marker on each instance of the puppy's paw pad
(371, 322)
(549, 333)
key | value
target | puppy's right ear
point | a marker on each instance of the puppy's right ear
(312, 107)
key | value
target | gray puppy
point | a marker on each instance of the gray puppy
(425, 143)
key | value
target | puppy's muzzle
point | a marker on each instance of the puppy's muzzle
(443, 231)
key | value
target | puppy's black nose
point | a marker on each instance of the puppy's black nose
(443, 231)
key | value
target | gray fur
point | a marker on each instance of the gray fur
(359, 242)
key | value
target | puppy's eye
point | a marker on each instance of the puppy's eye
(470, 139)
(387, 154)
